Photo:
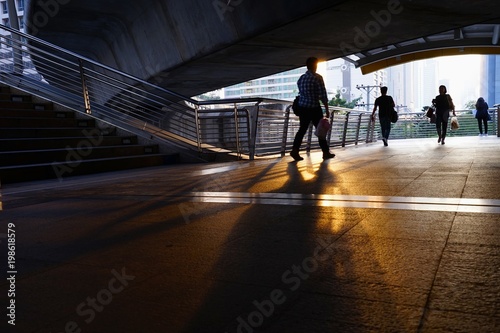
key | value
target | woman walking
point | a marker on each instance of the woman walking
(443, 104)
(482, 115)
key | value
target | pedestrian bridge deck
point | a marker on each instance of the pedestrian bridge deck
(404, 238)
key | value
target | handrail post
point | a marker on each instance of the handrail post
(85, 90)
(251, 151)
(498, 121)
(370, 130)
(358, 129)
(237, 132)
(252, 140)
(197, 125)
(285, 130)
(329, 134)
(346, 123)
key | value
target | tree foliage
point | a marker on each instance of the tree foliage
(470, 105)
(342, 102)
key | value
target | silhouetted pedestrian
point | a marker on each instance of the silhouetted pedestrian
(385, 104)
(443, 104)
(482, 115)
(311, 91)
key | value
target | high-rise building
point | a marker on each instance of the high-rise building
(490, 80)
(278, 86)
(414, 85)
(5, 13)
(6, 56)
(338, 74)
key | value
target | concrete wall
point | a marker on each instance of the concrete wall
(193, 46)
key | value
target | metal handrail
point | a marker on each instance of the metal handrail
(125, 101)
(417, 125)
(32, 41)
(249, 127)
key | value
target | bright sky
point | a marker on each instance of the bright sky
(459, 67)
(463, 73)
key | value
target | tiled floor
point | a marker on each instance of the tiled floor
(404, 238)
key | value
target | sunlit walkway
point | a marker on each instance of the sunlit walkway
(404, 238)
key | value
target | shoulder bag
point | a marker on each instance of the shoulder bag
(394, 116)
(296, 107)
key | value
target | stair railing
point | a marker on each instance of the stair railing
(130, 103)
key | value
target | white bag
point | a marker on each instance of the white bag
(322, 128)
(454, 123)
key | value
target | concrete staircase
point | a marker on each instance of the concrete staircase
(39, 142)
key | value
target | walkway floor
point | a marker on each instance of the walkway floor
(404, 238)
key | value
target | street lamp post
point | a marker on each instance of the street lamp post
(368, 90)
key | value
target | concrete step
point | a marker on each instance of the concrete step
(8, 96)
(38, 142)
(22, 122)
(5, 91)
(35, 133)
(89, 152)
(63, 142)
(22, 105)
(61, 170)
(13, 113)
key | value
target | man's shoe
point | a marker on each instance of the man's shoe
(328, 156)
(295, 155)
(385, 142)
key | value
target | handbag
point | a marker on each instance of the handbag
(322, 128)
(296, 107)
(430, 112)
(432, 120)
(394, 116)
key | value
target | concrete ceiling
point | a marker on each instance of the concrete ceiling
(193, 47)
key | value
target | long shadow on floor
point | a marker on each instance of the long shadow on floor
(282, 275)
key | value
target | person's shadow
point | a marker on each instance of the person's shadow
(261, 276)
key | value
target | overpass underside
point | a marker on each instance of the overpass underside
(193, 47)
